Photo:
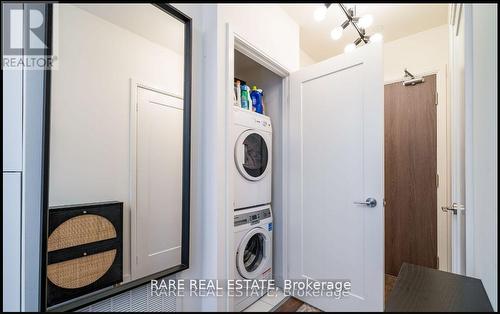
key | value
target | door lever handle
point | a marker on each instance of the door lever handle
(453, 208)
(370, 202)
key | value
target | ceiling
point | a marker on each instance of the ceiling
(392, 20)
(144, 20)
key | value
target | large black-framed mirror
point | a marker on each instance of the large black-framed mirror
(116, 166)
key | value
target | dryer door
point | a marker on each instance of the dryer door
(252, 155)
(254, 252)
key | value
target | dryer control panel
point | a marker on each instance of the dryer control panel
(251, 218)
(263, 122)
(252, 120)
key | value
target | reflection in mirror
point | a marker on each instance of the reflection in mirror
(116, 147)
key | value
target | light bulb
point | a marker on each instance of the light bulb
(365, 21)
(376, 37)
(320, 13)
(350, 47)
(337, 33)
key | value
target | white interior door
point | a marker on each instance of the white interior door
(157, 183)
(336, 160)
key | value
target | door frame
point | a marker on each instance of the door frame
(460, 15)
(443, 117)
(235, 41)
(468, 139)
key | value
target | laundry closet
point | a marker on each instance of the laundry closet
(272, 86)
(253, 188)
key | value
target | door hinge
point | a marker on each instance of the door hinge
(437, 97)
(437, 180)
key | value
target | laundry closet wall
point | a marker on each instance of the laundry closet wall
(270, 30)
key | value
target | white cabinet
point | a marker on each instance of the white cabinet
(11, 241)
(12, 120)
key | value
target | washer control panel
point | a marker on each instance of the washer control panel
(251, 218)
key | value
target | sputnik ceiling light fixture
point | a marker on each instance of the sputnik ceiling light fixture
(359, 24)
(320, 12)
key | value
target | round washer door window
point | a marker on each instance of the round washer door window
(253, 253)
(252, 155)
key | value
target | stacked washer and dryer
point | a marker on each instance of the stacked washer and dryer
(253, 222)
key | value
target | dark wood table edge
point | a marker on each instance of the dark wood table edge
(408, 265)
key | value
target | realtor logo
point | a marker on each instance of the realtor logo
(24, 37)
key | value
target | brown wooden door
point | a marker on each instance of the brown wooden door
(410, 175)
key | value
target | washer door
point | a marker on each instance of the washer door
(251, 155)
(253, 253)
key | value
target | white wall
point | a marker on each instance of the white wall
(90, 108)
(482, 101)
(268, 28)
(423, 52)
(426, 53)
(208, 179)
(271, 31)
(305, 59)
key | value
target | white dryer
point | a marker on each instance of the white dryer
(253, 250)
(252, 158)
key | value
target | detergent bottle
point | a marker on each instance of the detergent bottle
(250, 106)
(262, 100)
(256, 100)
(244, 97)
(237, 92)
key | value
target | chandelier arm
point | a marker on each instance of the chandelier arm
(350, 18)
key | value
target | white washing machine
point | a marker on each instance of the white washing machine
(252, 158)
(253, 250)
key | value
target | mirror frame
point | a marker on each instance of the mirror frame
(106, 293)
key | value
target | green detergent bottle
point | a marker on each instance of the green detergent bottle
(244, 97)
